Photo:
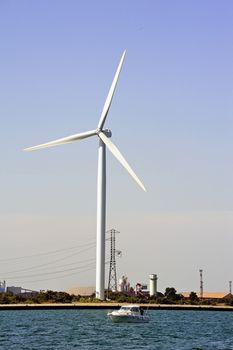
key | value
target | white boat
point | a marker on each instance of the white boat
(128, 313)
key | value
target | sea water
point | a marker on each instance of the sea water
(91, 329)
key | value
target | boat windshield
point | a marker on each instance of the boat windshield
(130, 308)
(125, 308)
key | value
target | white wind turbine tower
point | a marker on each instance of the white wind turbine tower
(104, 135)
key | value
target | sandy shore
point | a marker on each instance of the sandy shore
(109, 306)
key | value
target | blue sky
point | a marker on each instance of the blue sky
(171, 117)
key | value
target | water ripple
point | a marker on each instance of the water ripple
(91, 330)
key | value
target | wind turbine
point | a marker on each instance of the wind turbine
(103, 135)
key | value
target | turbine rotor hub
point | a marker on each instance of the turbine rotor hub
(107, 132)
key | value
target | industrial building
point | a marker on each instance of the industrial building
(24, 292)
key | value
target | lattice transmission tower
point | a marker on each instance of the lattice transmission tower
(112, 280)
(201, 283)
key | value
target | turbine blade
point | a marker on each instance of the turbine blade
(63, 140)
(110, 94)
(121, 159)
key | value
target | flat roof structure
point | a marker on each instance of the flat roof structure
(209, 295)
(83, 291)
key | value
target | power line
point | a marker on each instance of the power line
(50, 273)
(63, 265)
(57, 277)
(49, 263)
(78, 269)
(46, 253)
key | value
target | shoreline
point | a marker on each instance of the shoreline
(111, 306)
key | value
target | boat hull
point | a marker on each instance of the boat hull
(128, 318)
(129, 313)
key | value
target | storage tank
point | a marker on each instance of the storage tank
(153, 284)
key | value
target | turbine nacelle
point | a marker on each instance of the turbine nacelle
(106, 132)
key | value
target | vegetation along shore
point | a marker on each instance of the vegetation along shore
(170, 300)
